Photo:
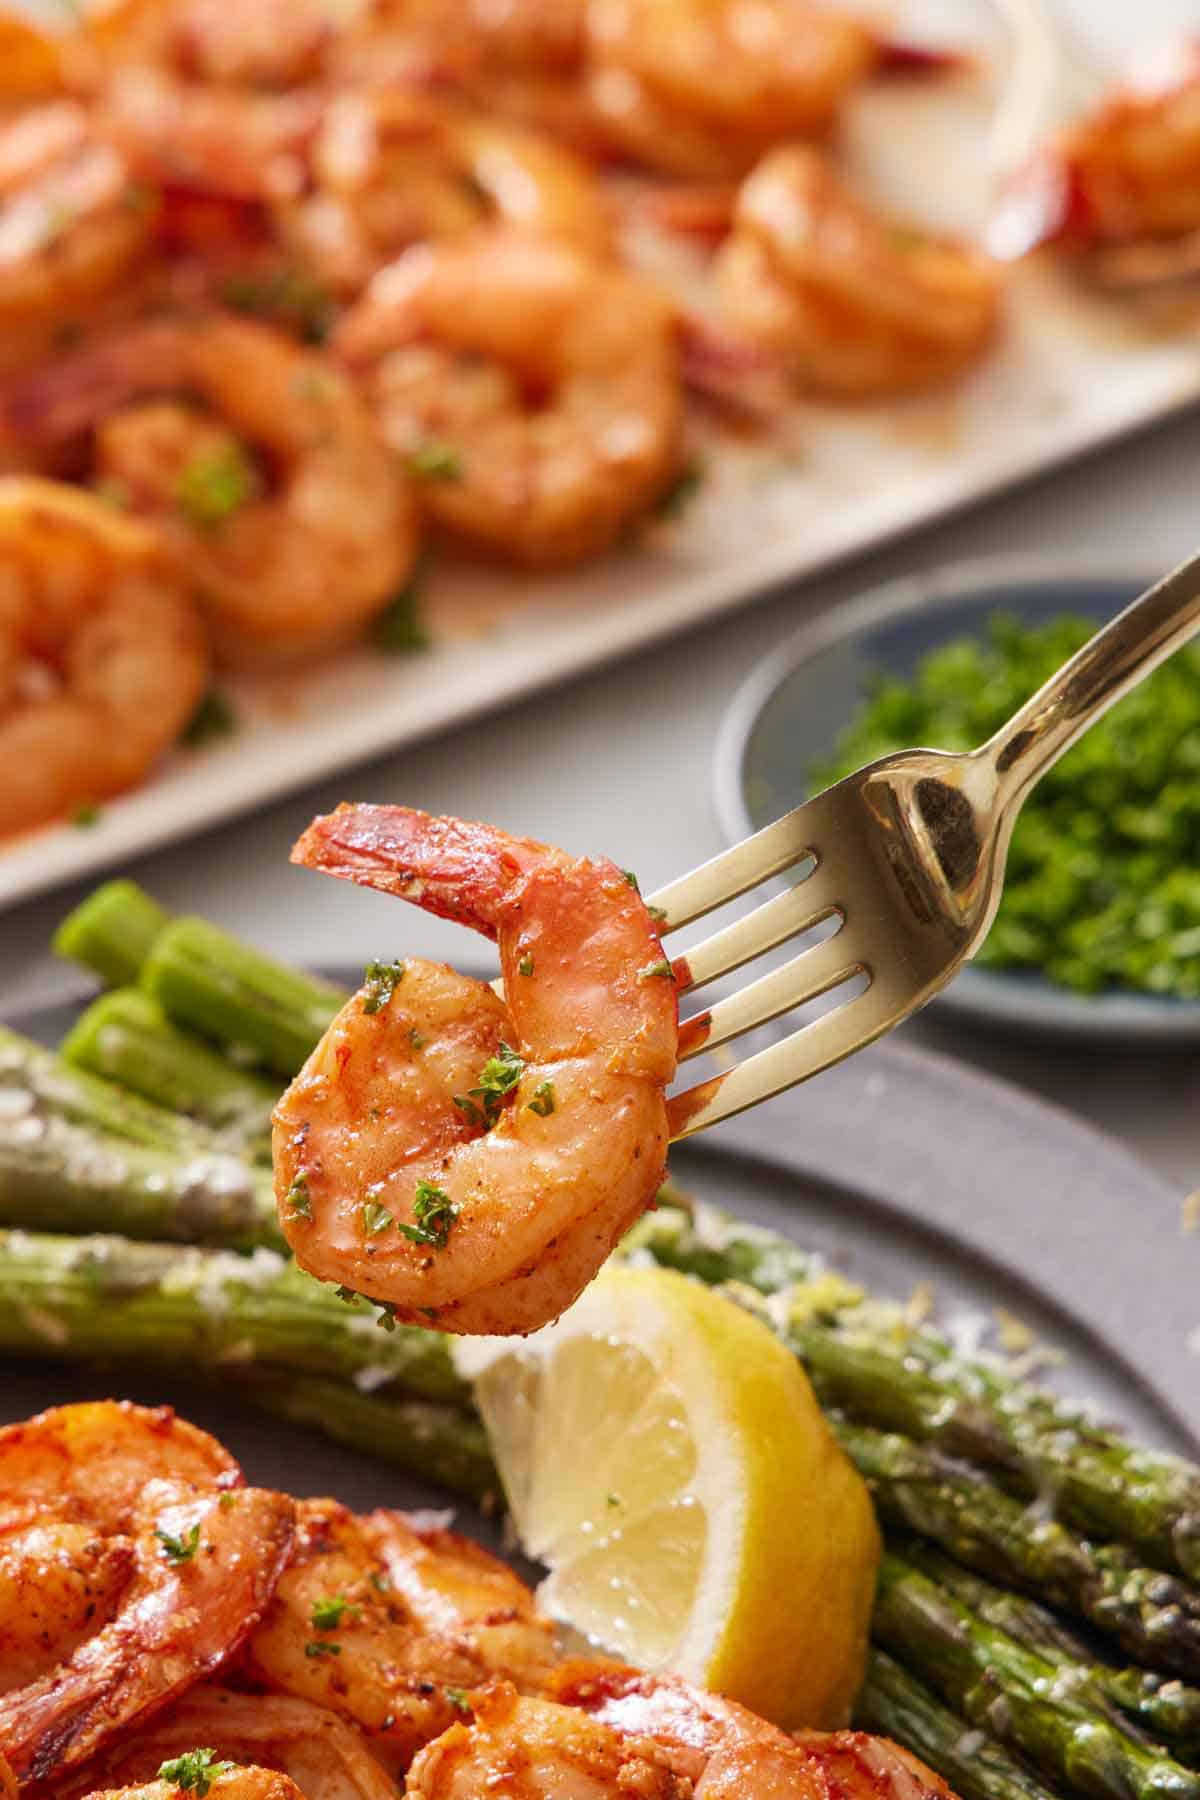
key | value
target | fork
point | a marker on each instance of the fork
(906, 857)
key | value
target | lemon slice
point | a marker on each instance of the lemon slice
(664, 1455)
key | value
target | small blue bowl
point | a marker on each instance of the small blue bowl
(792, 707)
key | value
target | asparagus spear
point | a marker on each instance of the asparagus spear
(1153, 1616)
(208, 982)
(76, 1298)
(978, 1768)
(36, 1085)
(881, 1370)
(126, 1037)
(441, 1442)
(1059, 1721)
(1168, 1711)
(112, 931)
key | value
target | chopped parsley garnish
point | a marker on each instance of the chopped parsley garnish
(400, 626)
(416, 1040)
(350, 1295)
(673, 501)
(215, 484)
(435, 1213)
(525, 966)
(179, 1549)
(86, 814)
(612, 1499)
(380, 1582)
(380, 982)
(321, 1647)
(194, 1772)
(436, 461)
(542, 1102)
(327, 1614)
(657, 912)
(657, 970)
(632, 879)
(213, 718)
(284, 294)
(375, 1218)
(298, 1198)
(458, 1699)
(498, 1077)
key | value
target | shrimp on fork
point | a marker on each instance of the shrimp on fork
(468, 1160)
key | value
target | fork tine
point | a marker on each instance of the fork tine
(735, 871)
(781, 1065)
(774, 922)
(811, 973)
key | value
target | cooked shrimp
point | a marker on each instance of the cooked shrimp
(539, 392)
(401, 167)
(230, 1784)
(471, 1161)
(453, 1587)
(206, 1563)
(854, 306)
(8, 1782)
(728, 1753)
(73, 225)
(534, 1750)
(268, 481)
(704, 87)
(325, 1757)
(89, 1463)
(102, 654)
(59, 1583)
(336, 1635)
(30, 60)
(1129, 171)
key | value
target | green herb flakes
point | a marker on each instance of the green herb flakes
(375, 1218)
(435, 1213)
(317, 1647)
(436, 461)
(178, 1550)
(458, 1699)
(330, 1612)
(380, 982)
(400, 627)
(215, 484)
(525, 966)
(298, 1199)
(213, 718)
(194, 1772)
(657, 971)
(498, 1077)
(542, 1102)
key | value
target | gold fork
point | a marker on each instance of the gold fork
(907, 856)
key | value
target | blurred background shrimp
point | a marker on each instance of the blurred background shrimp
(702, 87)
(854, 305)
(103, 657)
(257, 461)
(535, 393)
(396, 168)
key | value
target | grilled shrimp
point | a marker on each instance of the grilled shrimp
(59, 1582)
(703, 87)
(727, 1753)
(1127, 173)
(73, 226)
(855, 307)
(530, 1749)
(453, 1587)
(259, 464)
(336, 1635)
(469, 1160)
(539, 392)
(89, 1463)
(102, 654)
(229, 1784)
(206, 1562)
(399, 167)
(325, 1757)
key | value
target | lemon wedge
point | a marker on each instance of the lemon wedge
(664, 1455)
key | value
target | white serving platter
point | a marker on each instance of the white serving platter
(1071, 372)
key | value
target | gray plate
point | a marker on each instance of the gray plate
(793, 705)
(902, 1168)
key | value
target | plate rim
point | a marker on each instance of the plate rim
(1001, 999)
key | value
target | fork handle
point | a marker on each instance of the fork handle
(1108, 666)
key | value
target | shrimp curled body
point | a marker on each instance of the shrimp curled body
(855, 308)
(481, 1208)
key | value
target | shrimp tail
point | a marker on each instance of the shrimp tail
(451, 867)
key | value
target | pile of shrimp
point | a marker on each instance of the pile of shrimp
(294, 287)
(167, 1630)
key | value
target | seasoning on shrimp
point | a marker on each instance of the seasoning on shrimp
(552, 381)
(517, 1143)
